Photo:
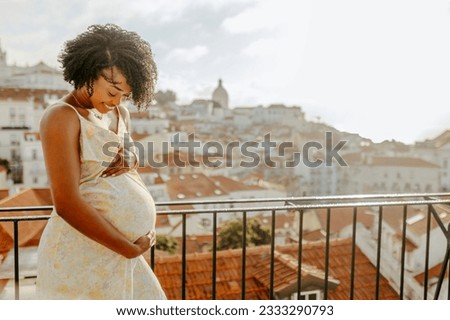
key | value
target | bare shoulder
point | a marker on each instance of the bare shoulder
(60, 115)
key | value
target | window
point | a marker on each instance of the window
(13, 139)
(12, 116)
(307, 295)
(205, 222)
(407, 187)
(22, 121)
(34, 154)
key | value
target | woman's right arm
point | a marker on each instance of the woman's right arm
(59, 132)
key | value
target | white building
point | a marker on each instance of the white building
(39, 76)
(376, 174)
(437, 150)
(34, 171)
(20, 112)
(199, 187)
(416, 244)
(143, 122)
(279, 113)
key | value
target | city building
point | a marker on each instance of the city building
(39, 76)
(220, 95)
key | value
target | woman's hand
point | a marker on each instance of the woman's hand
(143, 244)
(124, 161)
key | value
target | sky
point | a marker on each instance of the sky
(379, 68)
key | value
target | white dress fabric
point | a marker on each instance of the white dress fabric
(72, 266)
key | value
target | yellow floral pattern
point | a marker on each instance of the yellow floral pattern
(72, 266)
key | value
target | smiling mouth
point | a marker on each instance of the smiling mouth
(109, 107)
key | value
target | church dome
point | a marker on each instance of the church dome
(220, 95)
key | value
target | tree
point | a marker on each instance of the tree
(166, 243)
(231, 234)
(164, 97)
(5, 163)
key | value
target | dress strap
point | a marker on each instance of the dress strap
(74, 109)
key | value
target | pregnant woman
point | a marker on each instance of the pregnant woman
(104, 216)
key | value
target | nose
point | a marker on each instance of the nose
(116, 100)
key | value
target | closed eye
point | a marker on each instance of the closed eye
(112, 95)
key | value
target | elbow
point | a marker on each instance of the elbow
(65, 204)
(61, 209)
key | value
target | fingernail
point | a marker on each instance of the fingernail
(113, 174)
(103, 175)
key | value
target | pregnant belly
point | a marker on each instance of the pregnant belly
(124, 202)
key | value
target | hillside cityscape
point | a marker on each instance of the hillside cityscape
(208, 150)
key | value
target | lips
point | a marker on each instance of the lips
(109, 107)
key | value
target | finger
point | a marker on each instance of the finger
(118, 161)
(151, 235)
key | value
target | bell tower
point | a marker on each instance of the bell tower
(220, 95)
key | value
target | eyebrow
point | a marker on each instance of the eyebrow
(114, 83)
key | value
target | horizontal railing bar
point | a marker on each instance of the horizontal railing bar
(257, 200)
(26, 208)
(309, 206)
(291, 206)
(24, 218)
(289, 203)
(315, 198)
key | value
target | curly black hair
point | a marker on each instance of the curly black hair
(106, 46)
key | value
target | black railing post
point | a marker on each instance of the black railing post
(272, 257)
(403, 252)
(16, 260)
(327, 253)
(299, 254)
(354, 202)
(244, 252)
(380, 228)
(152, 258)
(446, 232)
(183, 263)
(214, 256)
(445, 265)
(427, 254)
(352, 270)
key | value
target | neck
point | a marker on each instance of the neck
(81, 97)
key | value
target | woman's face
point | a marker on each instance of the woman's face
(109, 89)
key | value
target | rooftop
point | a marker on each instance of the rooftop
(229, 276)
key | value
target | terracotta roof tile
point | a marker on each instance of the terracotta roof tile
(138, 136)
(339, 268)
(228, 284)
(402, 162)
(432, 273)
(23, 94)
(416, 217)
(343, 217)
(29, 231)
(191, 186)
(230, 185)
(4, 193)
(146, 169)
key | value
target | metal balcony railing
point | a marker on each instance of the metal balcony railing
(299, 205)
